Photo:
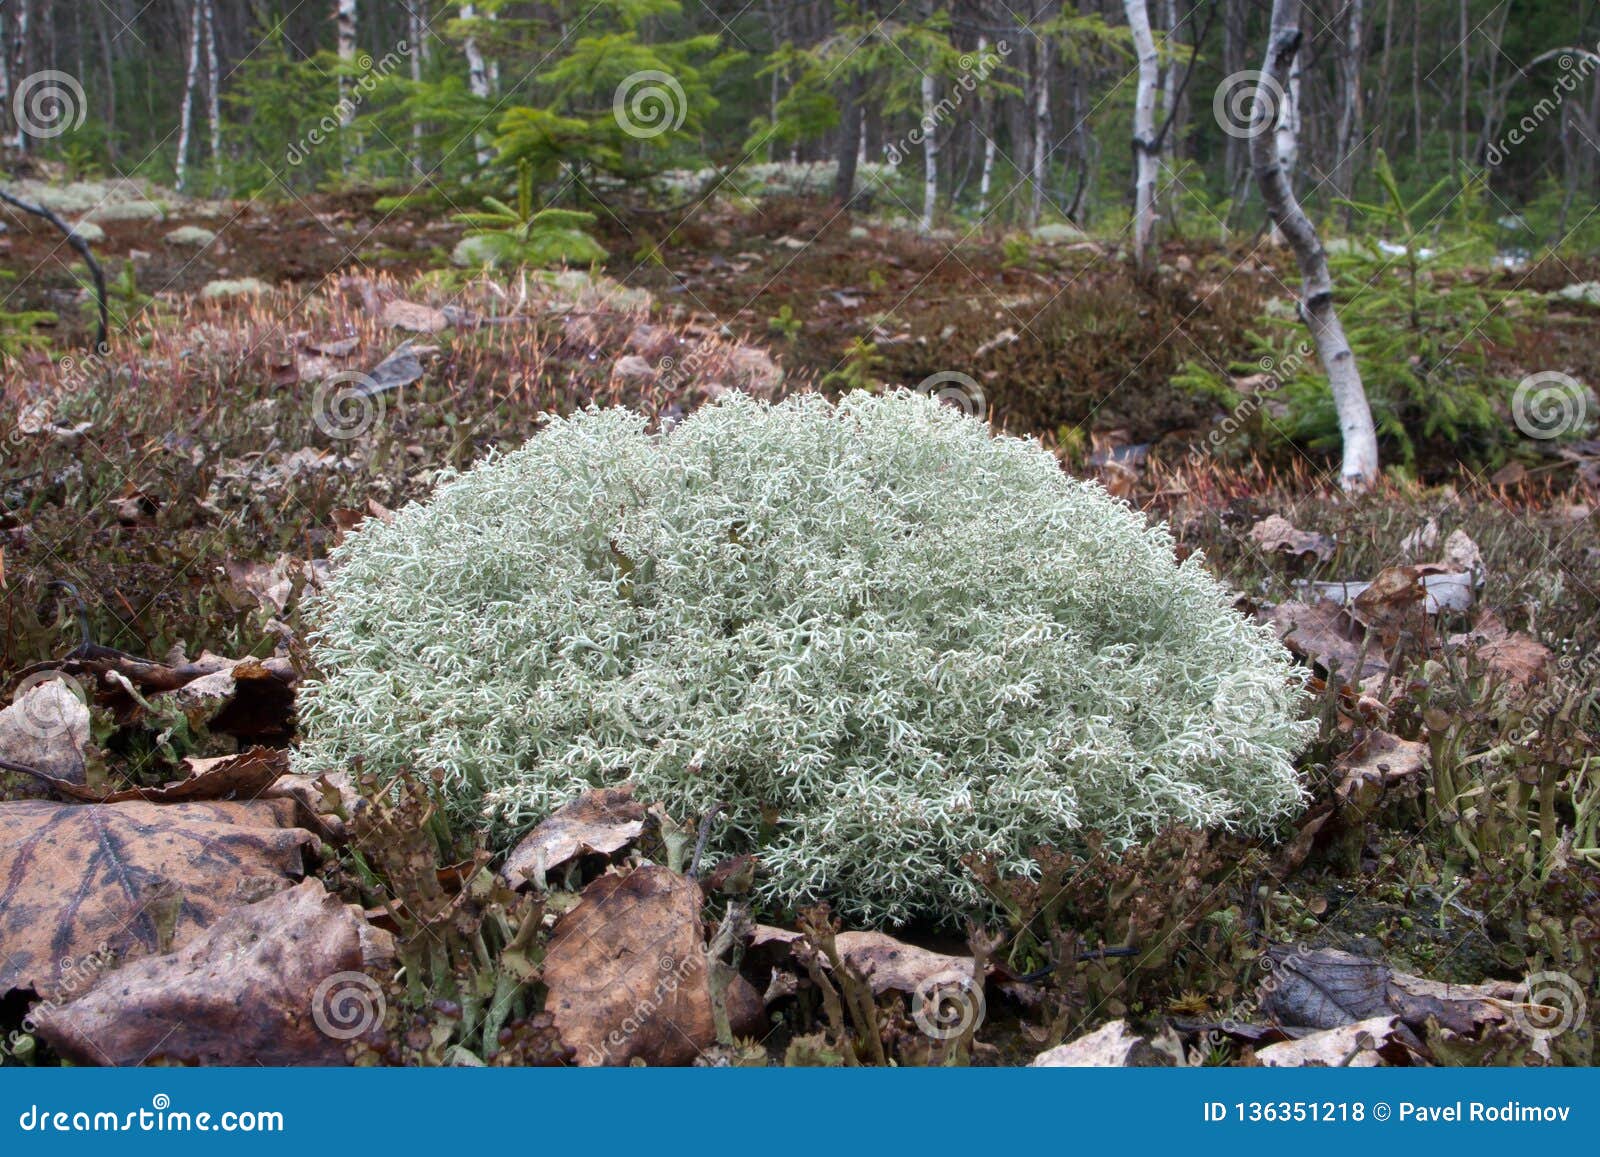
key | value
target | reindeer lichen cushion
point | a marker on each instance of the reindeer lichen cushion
(879, 635)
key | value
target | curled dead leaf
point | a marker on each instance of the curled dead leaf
(627, 973)
(287, 980)
(130, 879)
(602, 821)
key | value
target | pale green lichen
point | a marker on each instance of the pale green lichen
(881, 636)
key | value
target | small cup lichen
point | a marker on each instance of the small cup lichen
(880, 636)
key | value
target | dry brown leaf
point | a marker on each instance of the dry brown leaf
(603, 821)
(132, 879)
(284, 981)
(243, 776)
(1325, 634)
(1278, 535)
(1112, 1046)
(415, 318)
(1518, 659)
(892, 964)
(47, 729)
(1379, 763)
(1363, 1044)
(627, 973)
(1327, 988)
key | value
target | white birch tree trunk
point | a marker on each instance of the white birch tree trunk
(1039, 153)
(213, 82)
(986, 181)
(416, 36)
(494, 62)
(1145, 162)
(1350, 110)
(19, 65)
(5, 70)
(930, 152)
(1360, 466)
(186, 120)
(345, 16)
(477, 78)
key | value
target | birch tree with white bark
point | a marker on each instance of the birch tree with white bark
(477, 77)
(213, 87)
(1145, 161)
(930, 150)
(1359, 468)
(190, 78)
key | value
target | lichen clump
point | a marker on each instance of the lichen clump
(880, 636)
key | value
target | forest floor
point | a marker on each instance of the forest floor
(188, 485)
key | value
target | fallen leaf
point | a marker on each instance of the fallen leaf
(47, 729)
(890, 964)
(626, 973)
(1324, 633)
(1518, 659)
(272, 584)
(129, 878)
(1462, 554)
(1363, 1044)
(1422, 539)
(409, 315)
(400, 368)
(334, 347)
(284, 981)
(1112, 1046)
(242, 776)
(1278, 535)
(1327, 988)
(1376, 765)
(602, 821)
